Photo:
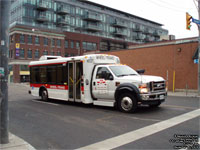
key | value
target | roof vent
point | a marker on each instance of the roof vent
(45, 57)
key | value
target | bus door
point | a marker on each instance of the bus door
(74, 79)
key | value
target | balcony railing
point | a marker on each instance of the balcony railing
(63, 10)
(62, 21)
(92, 17)
(120, 33)
(42, 6)
(157, 33)
(42, 18)
(139, 29)
(91, 27)
(119, 24)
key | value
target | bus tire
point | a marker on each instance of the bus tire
(127, 103)
(44, 95)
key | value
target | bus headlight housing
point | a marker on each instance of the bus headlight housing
(143, 88)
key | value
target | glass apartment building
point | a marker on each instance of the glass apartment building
(73, 27)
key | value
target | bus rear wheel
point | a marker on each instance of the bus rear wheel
(44, 95)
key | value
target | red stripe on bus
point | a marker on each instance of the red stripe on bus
(51, 86)
(82, 88)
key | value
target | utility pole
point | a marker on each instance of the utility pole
(4, 47)
(199, 50)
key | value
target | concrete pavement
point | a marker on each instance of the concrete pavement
(16, 143)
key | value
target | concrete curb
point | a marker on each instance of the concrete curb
(183, 94)
(16, 143)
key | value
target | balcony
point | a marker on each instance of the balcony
(93, 28)
(119, 33)
(63, 11)
(42, 18)
(149, 39)
(42, 6)
(140, 37)
(139, 29)
(92, 17)
(119, 24)
(148, 31)
(61, 21)
(157, 33)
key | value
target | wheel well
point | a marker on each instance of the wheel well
(125, 91)
(41, 89)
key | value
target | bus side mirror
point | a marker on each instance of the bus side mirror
(111, 77)
(140, 71)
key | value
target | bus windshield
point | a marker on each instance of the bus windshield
(120, 71)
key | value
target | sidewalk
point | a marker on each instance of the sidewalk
(184, 94)
(16, 143)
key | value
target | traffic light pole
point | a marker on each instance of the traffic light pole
(4, 46)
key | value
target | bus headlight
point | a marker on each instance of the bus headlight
(143, 88)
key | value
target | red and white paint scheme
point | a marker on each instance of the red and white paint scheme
(97, 79)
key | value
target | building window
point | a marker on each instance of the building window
(89, 46)
(37, 40)
(66, 54)
(11, 53)
(21, 53)
(29, 39)
(29, 53)
(45, 52)
(72, 44)
(46, 41)
(66, 44)
(77, 45)
(59, 53)
(53, 42)
(52, 53)
(58, 43)
(22, 37)
(24, 68)
(37, 55)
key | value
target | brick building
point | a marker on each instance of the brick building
(165, 58)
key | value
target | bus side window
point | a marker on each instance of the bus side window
(103, 73)
(65, 74)
(60, 78)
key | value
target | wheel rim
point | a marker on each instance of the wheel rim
(44, 95)
(127, 103)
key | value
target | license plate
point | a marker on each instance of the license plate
(162, 97)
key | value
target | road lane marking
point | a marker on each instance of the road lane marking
(45, 102)
(132, 136)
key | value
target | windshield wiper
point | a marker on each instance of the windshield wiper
(121, 75)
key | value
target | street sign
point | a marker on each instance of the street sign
(196, 61)
(17, 52)
(2, 73)
(17, 45)
(196, 21)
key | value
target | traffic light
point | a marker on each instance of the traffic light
(188, 18)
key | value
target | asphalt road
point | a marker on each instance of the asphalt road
(64, 125)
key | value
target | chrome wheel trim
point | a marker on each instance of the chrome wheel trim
(44, 95)
(126, 103)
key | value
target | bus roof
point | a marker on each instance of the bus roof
(93, 58)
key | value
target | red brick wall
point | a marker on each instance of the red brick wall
(162, 59)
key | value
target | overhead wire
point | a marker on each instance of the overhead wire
(164, 6)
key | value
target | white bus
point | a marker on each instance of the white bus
(94, 79)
